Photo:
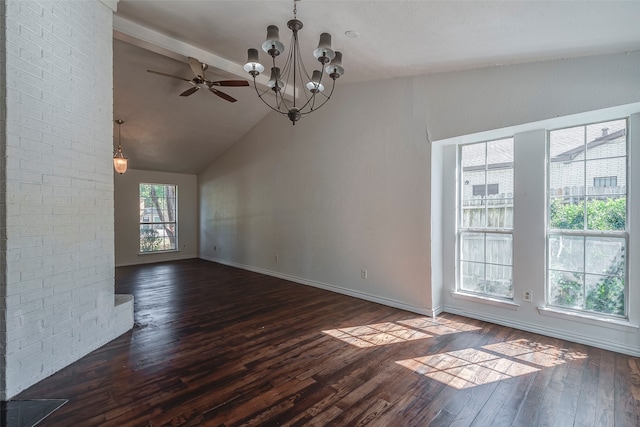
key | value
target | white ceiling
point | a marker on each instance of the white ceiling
(166, 132)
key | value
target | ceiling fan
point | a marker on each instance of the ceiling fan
(200, 81)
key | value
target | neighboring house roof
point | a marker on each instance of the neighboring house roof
(571, 154)
(564, 156)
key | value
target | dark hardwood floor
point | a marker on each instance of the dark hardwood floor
(214, 345)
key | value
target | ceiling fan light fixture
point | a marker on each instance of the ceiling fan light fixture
(292, 73)
(120, 162)
(200, 81)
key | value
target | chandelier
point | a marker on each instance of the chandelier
(119, 160)
(293, 72)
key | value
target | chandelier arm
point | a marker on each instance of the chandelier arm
(327, 97)
(260, 95)
(294, 53)
(285, 73)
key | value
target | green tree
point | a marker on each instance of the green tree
(149, 240)
(607, 296)
(609, 214)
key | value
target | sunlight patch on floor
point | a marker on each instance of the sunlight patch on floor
(395, 332)
(466, 368)
(534, 352)
(376, 334)
(438, 326)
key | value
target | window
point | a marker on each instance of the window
(605, 181)
(485, 231)
(587, 233)
(158, 213)
(481, 190)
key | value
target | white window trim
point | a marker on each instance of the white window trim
(444, 266)
(583, 313)
(483, 299)
(463, 293)
(175, 222)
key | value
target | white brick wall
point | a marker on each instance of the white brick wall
(59, 188)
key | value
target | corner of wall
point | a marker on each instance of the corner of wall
(3, 204)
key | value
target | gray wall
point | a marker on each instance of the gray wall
(349, 187)
(127, 216)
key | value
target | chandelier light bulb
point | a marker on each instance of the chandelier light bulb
(274, 82)
(314, 85)
(253, 65)
(272, 45)
(323, 52)
(334, 69)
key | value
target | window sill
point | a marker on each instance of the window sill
(485, 300)
(620, 325)
(158, 252)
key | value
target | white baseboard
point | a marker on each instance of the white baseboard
(432, 312)
(333, 288)
(555, 333)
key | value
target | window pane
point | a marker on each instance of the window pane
(605, 294)
(605, 255)
(607, 139)
(499, 249)
(565, 215)
(500, 216)
(474, 155)
(500, 153)
(472, 246)
(567, 179)
(566, 144)
(500, 182)
(607, 176)
(608, 214)
(566, 289)
(472, 276)
(498, 281)
(474, 216)
(566, 253)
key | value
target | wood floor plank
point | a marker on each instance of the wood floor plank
(218, 346)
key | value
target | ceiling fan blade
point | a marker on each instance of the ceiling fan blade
(223, 95)
(168, 75)
(190, 91)
(197, 67)
(230, 83)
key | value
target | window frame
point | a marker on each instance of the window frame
(150, 221)
(485, 230)
(585, 232)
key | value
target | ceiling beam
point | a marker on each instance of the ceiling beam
(154, 41)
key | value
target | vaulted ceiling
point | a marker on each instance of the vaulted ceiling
(166, 132)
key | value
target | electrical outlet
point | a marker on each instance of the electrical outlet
(527, 296)
(363, 273)
(277, 258)
(215, 248)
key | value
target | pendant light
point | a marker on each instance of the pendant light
(119, 160)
